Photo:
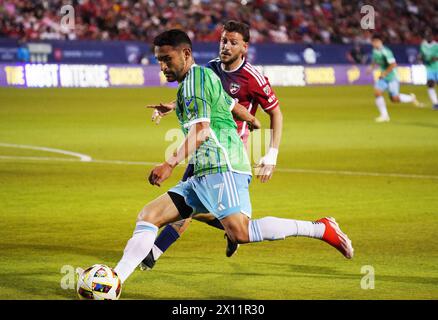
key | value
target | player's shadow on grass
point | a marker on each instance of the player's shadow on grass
(327, 272)
(100, 253)
(417, 124)
(138, 296)
(42, 289)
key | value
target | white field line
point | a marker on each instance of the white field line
(82, 157)
(287, 170)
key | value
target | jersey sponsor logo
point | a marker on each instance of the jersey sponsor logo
(234, 88)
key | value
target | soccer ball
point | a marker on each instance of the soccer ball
(99, 282)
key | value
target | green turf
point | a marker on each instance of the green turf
(55, 213)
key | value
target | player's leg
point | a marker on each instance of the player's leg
(380, 87)
(226, 195)
(432, 77)
(243, 230)
(397, 97)
(154, 215)
(209, 219)
(169, 235)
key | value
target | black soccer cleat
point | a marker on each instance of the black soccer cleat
(231, 246)
(148, 263)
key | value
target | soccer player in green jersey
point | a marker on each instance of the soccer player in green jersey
(222, 169)
(383, 57)
(429, 56)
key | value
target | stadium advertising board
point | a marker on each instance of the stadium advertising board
(104, 76)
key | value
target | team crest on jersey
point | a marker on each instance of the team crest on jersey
(267, 90)
(188, 101)
(234, 88)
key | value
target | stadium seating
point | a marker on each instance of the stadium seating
(281, 21)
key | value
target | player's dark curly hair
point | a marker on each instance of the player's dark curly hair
(173, 37)
(239, 27)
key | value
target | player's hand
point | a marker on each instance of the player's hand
(159, 174)
(254, 125)
(265, 169)
(264, 172)
(161, 110)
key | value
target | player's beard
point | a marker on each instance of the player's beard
(231, 60)
(172, 76)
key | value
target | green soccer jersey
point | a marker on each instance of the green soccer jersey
(201, 97)
(428, 52)
(384, 57)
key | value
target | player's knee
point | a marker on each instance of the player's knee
(394, 98)
(431, 83)
(150, 215)
(241, 236)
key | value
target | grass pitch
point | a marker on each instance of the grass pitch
(380, 181)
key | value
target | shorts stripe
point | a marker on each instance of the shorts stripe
(230, 192)
(227, 193)
(233, 182)
(233, 189)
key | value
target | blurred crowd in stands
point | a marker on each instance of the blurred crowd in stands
(279, 21)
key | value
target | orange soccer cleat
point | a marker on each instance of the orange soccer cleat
(336, 238)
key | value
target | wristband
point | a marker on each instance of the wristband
(271, 157)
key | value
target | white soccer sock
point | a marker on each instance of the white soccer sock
(271, 228)
(381, 105)
(156, 252)
(405, 98)
(432, 95)
(136, 249)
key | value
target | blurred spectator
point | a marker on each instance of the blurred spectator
(282, 21)
(357, 55)
(23, 54)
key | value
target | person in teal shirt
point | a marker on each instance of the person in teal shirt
(429, 56)
(388, 80)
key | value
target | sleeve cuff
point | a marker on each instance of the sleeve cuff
(232, 105)
(272, 106)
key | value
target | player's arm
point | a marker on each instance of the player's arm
(265, 96)
(390, 60)
(242, 114)
(276, 126)
(198, 133)
(388, 70)
(269, 161)
(371, 67)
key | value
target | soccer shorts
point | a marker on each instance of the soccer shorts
(221, 194)
(432, 75)
(393, 86)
